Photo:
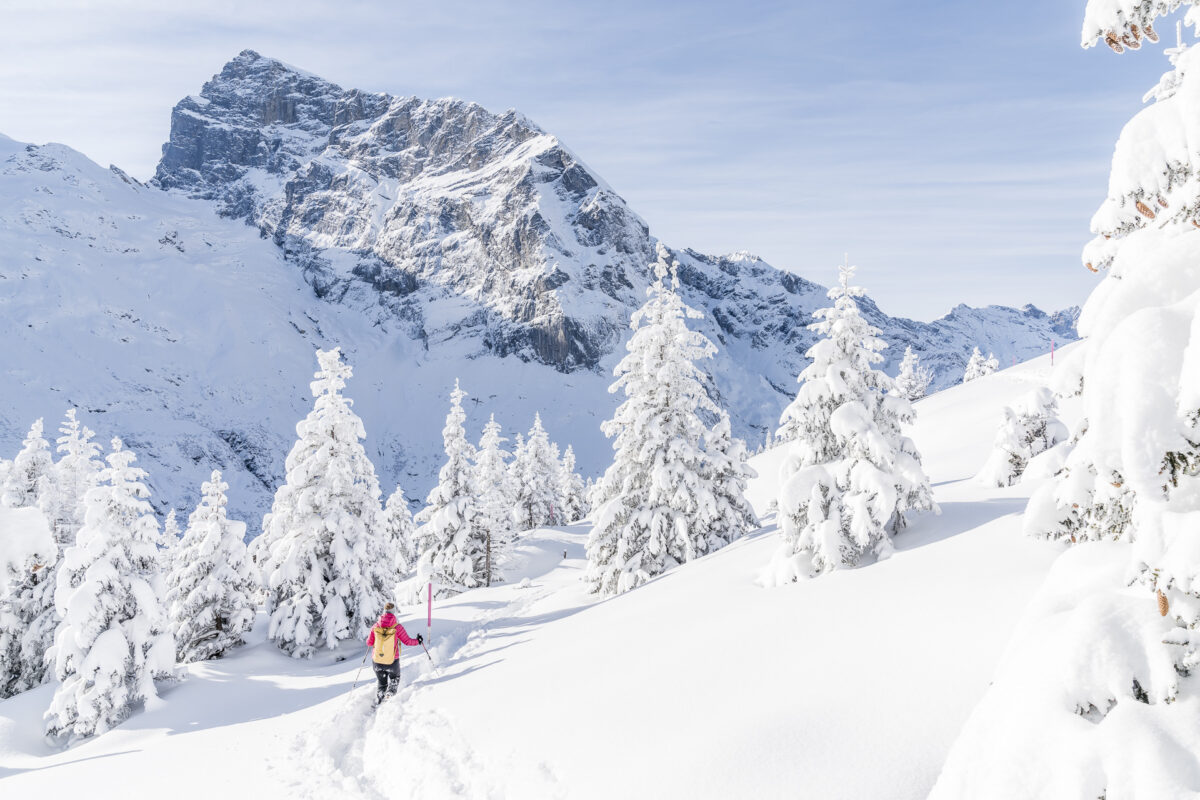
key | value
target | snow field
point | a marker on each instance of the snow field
(698, 684)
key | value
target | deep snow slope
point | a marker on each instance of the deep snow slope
(699, 684)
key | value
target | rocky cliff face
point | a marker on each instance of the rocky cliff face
(441, 200)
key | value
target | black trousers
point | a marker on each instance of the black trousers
(388, 676)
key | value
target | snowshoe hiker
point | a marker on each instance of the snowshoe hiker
(384, 641)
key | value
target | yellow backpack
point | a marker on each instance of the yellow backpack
(385, 645)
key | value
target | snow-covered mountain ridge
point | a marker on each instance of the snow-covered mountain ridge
(429, 239)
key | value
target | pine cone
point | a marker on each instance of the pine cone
(1151, 34)
(1144, 209)
(1110, 39)
(1163, 605)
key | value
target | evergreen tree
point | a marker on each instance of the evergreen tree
(495, 498)
(913, 380)
(849, 460)
(211, 590)
(399, 529)
(323, 553)
(451, 547)
(535, 470)
(114, 639)
(978, 366)
(727, 473)
(654, 513)
(22, 606)
(71, 478)
(61, 502)
(170, 542)
(572, 495)
(1029, 427)
(29, 474)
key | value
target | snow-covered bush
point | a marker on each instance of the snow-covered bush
(1111, 711)
(654, 507)
(912, 382)
(495, 500)
(978, 366)
(1030, 427)
(451, 546)
(114, 639)
(322, 550)
(28, 553)
(29, 474)
(212, 587)
(851, 474)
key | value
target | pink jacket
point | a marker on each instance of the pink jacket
(388, 620)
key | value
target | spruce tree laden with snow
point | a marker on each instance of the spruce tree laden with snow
(114, 638)
(70, 479)
(1030, 427)
(450, 544)
(212, 587)
(979, 367)
(323, 552)
(913, 380)
(727, 474)
(572, 495)
(535, 472)
(655, 503)
(496, 496)
(399, 529)
(61, 502)
(851, 476)
(169, 542)
(27, 568)
(30, 472)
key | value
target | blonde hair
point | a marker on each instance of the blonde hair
(389, 607)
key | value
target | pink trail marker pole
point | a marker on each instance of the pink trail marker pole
(429, 613)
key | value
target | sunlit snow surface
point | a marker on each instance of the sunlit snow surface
(699, 684)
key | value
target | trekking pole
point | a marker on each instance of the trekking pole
(362, 664)
(435, 669)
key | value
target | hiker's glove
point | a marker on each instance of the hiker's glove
(420, 639)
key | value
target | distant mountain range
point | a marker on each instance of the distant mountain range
(430, 239)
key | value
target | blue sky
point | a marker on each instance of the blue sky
(955, 150)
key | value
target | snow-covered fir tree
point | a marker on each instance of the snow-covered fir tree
(212, 587)
(398, 529)
(978, 366)
(494, 499)
(572, 495)
(655, 507)
(727, 474)
(114, 639)
(913, 380)
(1120, 664)
(535, 475)
(71, 478)
(24, 574)
(169, 542)
(1030, 427)
(851, 474)
(323, 552)
(450, 544)
(61, 502)
(29, 474)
